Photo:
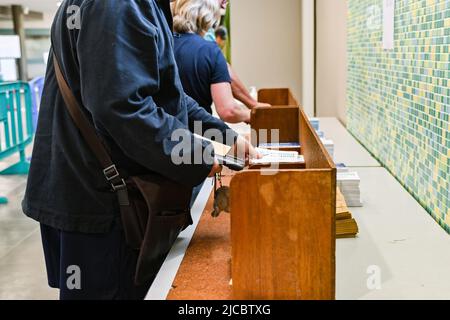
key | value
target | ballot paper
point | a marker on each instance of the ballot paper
(284, 145)
(266, 152)
(315, 122)
(278, 160)
(329, 145)
(275, 156)
(341, 167)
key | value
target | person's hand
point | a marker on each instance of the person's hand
(217, 168)
(262, 105)
(243, 149)
(257, 104)
(248, 117)
(252, 153)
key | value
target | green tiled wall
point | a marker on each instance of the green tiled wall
(399, 100)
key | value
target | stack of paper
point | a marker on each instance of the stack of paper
(285, 145)
(277, 157)
(329, 145)
(315, 122)
(267, 152)
(349, 184)
(267, 160)
(341, 167)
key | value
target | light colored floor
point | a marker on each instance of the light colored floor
(22, 268)
(397, 237)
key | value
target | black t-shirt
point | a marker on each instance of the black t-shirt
(201, 64)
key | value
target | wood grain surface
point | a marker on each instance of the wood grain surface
(205, 272)
(277, 97)
(283, 225)
(283, 235)
(283, 119)
(282, 243)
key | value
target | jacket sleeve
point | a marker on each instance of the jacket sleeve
(203, 123)
(119, 64)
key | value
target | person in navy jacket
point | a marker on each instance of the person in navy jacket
(117, 57)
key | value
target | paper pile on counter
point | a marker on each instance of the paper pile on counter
(283, 145)
(349, 184)
(315, 122)
(341, 167)
(275, 156)
(329, 145)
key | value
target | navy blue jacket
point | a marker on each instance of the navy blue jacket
(117, 57)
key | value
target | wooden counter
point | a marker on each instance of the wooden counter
(205, 272)
(282, 243)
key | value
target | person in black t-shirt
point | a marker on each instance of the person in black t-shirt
(202, 66)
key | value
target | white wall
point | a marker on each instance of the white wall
(308, 56)
(266, 43)
(331, 58)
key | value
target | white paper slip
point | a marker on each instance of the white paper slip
(267, 152)
(348, 176)
(298, 159)
(280, 145)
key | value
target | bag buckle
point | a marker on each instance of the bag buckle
(120, 186)
(111, 173)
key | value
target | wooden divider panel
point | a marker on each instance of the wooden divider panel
(282, 231)
(316, 156)
(283, 225)
(282, 119)
(277, 97)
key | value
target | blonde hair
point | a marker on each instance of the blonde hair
(195, 16)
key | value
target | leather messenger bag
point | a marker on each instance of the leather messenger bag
(154, 210)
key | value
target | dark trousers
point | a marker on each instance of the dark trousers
(91, 266)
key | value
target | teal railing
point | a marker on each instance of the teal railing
(16, 125)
